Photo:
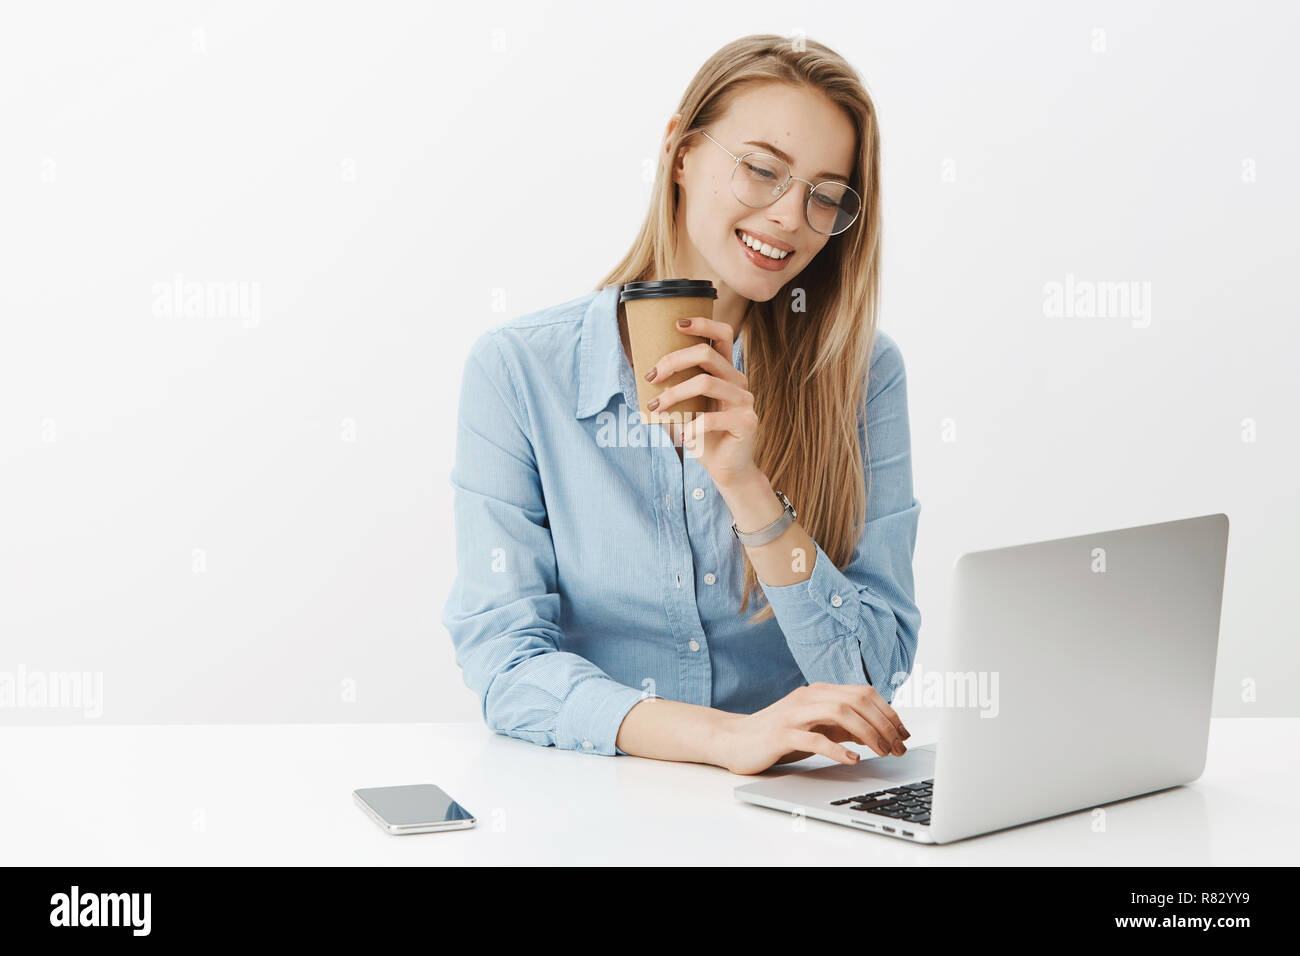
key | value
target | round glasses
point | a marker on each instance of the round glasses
(760, 179)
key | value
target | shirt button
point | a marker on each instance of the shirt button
(694, 645)
(709, 578)
(836, 600)
(697, 494)
(587, 745)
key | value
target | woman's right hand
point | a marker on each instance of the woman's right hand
(812, 719)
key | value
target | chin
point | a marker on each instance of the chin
(761, 291)
(758, 288)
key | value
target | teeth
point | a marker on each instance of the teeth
(762, 247)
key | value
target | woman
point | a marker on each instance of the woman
(601, 595)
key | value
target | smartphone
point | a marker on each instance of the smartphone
(416, 808)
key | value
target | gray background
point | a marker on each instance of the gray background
(246, 516)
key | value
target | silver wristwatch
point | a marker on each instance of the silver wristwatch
(772, 531)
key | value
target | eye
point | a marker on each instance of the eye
(760, 171)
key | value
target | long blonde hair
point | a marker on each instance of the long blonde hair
(808, 369)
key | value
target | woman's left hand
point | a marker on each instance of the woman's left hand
(722, 439)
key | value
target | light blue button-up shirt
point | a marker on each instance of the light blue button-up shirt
(596, 568)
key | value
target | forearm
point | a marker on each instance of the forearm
(673, 730)
(840, 630)
(787, 559)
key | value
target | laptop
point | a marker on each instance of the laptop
(1101, 649)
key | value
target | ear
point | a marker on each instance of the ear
(678, 167)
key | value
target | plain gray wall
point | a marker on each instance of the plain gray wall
(240, 511)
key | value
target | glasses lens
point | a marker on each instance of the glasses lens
(832, 208)
(759, 179)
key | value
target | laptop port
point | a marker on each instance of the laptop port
(888, 829)
(908, 833)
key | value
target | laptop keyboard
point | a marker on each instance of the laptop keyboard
(910, 802)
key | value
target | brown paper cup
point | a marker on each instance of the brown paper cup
(653, 333)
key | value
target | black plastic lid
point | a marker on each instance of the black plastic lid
(669, 288)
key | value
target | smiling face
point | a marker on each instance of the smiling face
(773, 118)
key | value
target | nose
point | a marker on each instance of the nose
(788, 209)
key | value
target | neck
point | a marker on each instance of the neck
(730, 306)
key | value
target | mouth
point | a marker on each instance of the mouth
(762, 252)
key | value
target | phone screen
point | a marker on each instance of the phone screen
(420, 803)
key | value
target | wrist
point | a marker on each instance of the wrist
(752, 502)
(749, 482)
(722, 729)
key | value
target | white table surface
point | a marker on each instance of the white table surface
(90, 795)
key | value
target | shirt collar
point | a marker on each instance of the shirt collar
(602, 363)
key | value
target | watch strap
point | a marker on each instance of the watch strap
(772, 531)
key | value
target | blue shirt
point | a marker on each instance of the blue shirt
(596, 568)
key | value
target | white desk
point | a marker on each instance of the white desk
(91, 795)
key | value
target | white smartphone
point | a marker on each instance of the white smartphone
(417, 808)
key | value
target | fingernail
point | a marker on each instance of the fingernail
(653, 405)
(650, 375)
(906, 733)
(853, 754)
(682, 323)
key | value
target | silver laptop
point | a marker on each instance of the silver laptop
(1101, 649)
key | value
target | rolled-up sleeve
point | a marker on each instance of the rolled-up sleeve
(839, 621)
(504, 603)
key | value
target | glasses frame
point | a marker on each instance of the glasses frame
(780, 191)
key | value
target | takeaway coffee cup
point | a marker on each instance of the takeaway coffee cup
(653, 309)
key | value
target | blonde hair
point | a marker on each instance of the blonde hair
(807, 370)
